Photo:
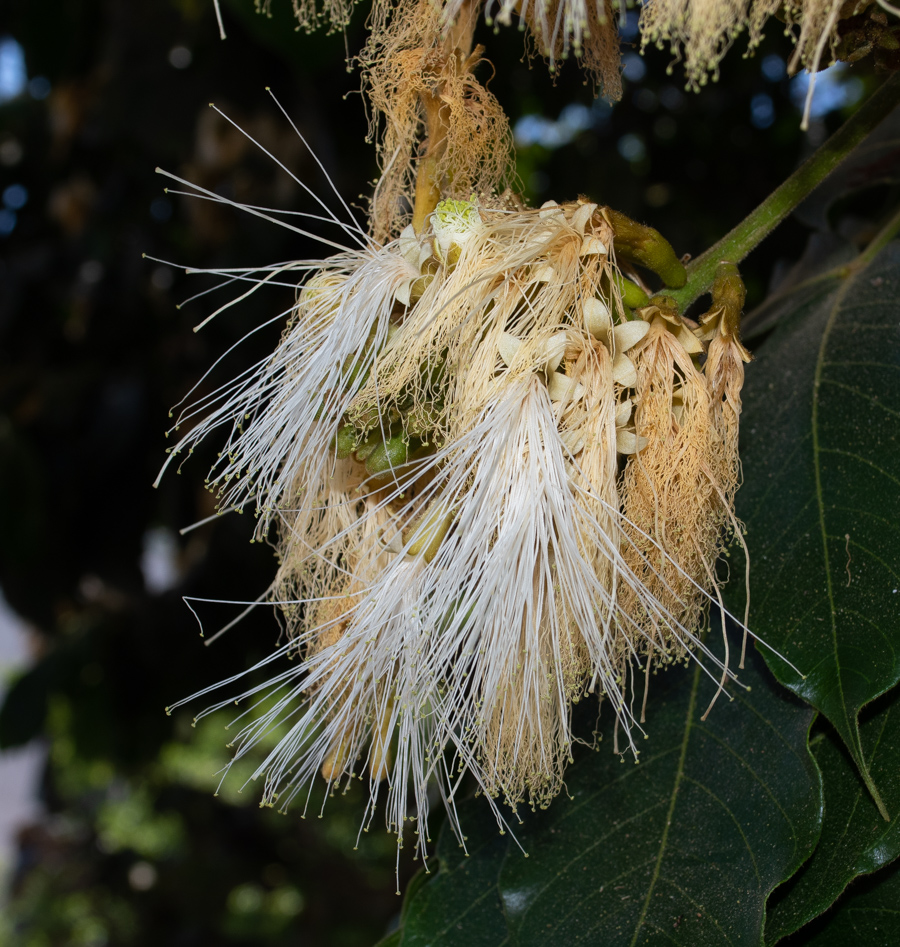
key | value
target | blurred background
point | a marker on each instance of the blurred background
(110, 829)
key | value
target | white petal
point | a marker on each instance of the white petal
(623, 412)
(597, 319)
(689, 342)
(573, 441)
(629, 334)
(409, 246)
(624, 372)
(581, 216)
(550, 209)
(554, 349)
(562, 388)
(591, 245)
(508, 346)
(403, 290)
(627, 442)
(395, 545)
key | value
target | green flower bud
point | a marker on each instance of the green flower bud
(344, 442)
(645, 246)
(388, 454)
(633, 297)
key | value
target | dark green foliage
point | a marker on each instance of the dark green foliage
(856, 839)
(820, 500)
(133, 849)
(683, 847)
(688, 846)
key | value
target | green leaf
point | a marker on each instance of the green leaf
(855, 839)
(868, 916)
(461, 903)
(392, 940)
(684, 847)
(821, 494)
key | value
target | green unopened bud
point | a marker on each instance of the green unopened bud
(632, 295)
(373, 439)
(354, 371)
(391, 453)
(667, 304)
(344, 442)
(636, 243)
(423, 419)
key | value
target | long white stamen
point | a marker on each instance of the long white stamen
(255, 213)
(358, 235)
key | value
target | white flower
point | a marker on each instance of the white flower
(445, 468)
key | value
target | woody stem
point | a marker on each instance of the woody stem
(751, 231)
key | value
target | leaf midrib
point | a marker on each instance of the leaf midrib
(820, 501)
(679, 774)
(851, 734)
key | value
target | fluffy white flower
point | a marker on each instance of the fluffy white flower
(441, 439)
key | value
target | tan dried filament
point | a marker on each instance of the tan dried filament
(418, 74)
(673, 505)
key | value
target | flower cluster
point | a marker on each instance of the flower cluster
(500, 475)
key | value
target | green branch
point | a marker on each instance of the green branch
(751, 231)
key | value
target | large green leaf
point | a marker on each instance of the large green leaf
(684, 847)
(821, 494)
(867, 916)
(855, 839)
(461, 904)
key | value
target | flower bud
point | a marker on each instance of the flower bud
(645, 246)
(344, 441)
(632, 295)
(389, 454)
